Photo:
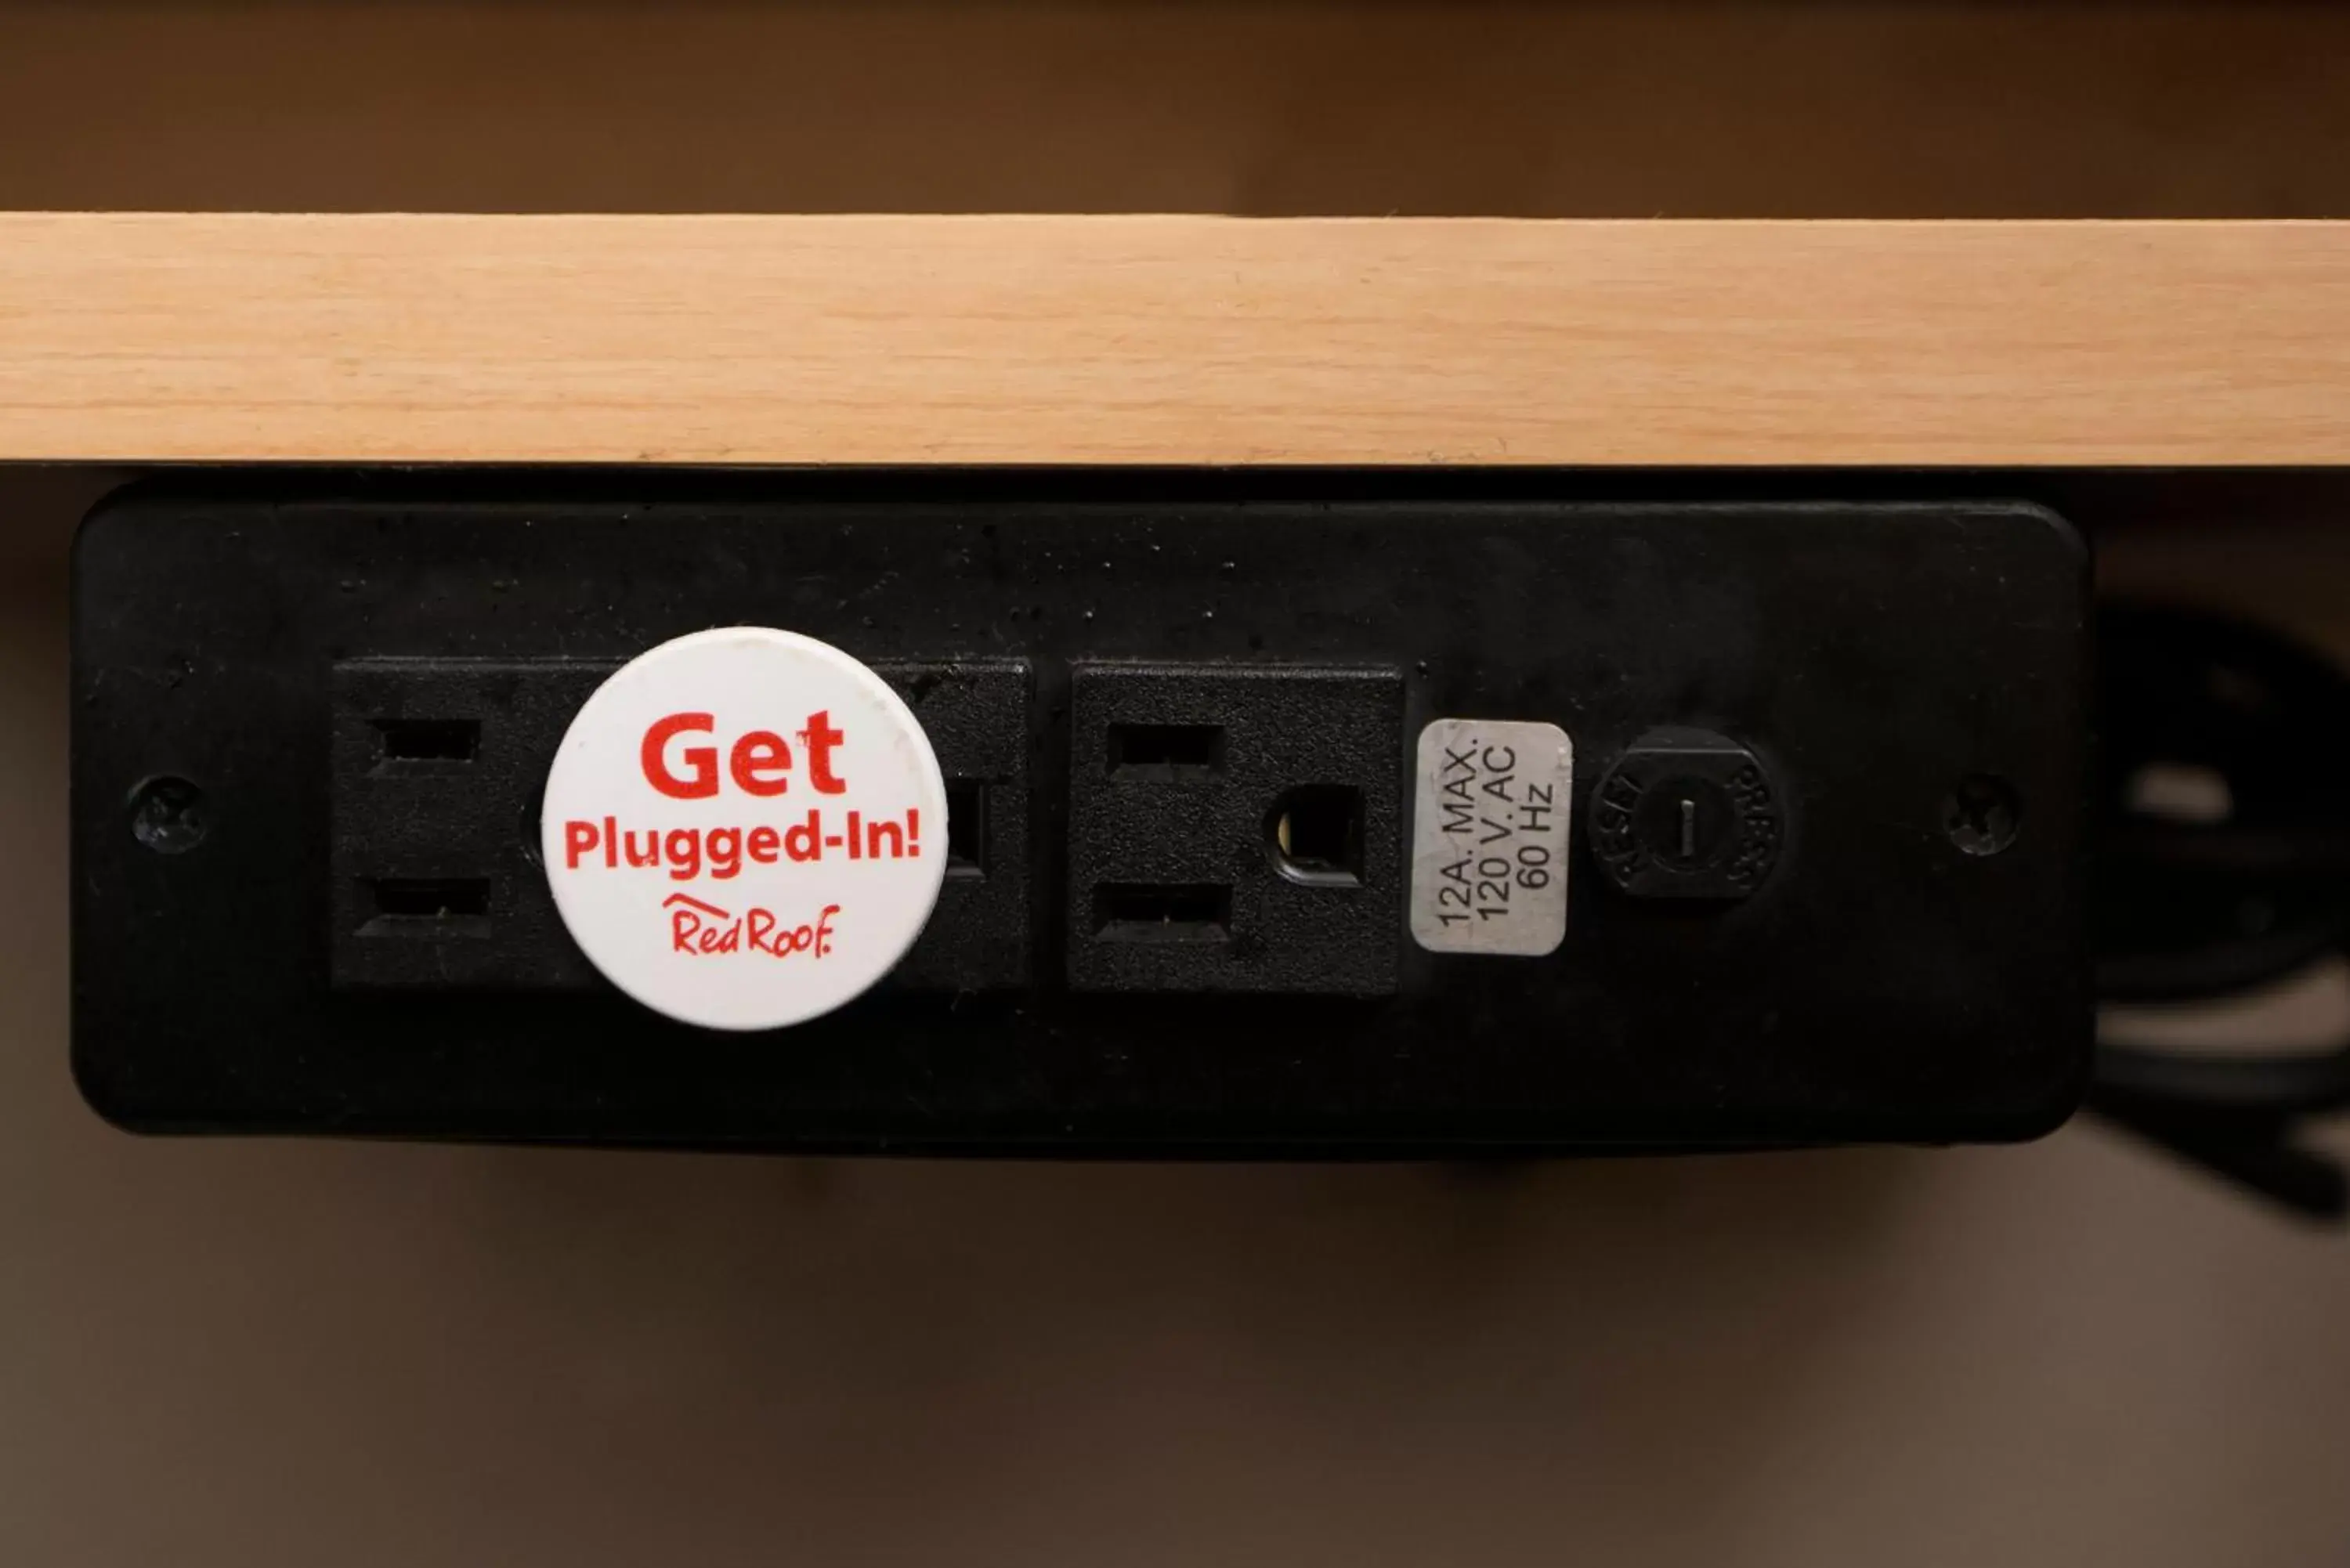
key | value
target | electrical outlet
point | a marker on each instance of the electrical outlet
(436, 767)
(433, 878)
(1234, 828)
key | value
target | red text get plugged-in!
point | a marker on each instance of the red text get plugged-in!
(759, 763)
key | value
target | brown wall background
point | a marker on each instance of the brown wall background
(1637, 109)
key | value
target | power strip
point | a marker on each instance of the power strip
(1256, 841)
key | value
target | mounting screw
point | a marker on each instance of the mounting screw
(168, 814)
(1981, 814)
(1685, 814)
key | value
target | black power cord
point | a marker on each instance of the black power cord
(2241, 885)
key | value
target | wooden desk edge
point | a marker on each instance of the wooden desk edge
(132, 338)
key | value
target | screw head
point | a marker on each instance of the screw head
(168, 814)
(1981, 814)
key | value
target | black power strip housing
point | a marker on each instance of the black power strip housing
(309, 731)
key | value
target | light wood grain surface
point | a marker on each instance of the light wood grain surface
(1170, 340)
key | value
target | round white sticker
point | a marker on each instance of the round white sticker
(744, 828)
